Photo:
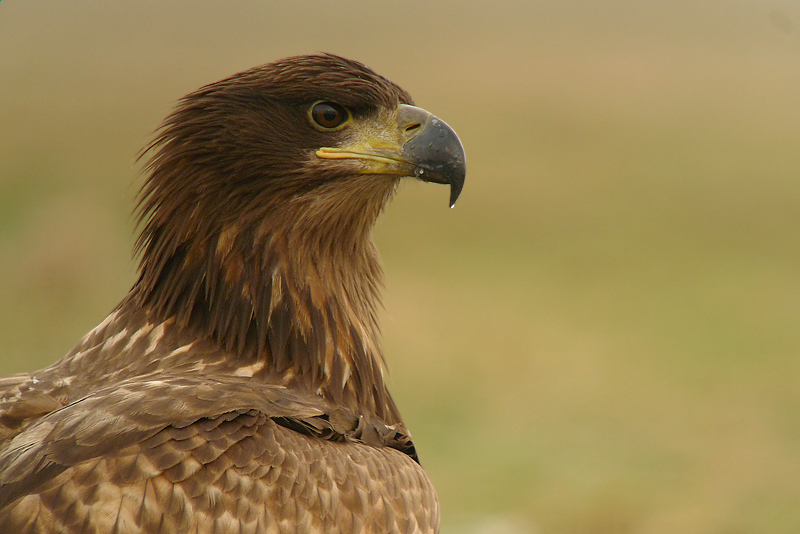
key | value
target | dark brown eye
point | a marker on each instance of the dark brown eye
(329, 116)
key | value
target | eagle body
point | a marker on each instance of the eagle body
(238, 387)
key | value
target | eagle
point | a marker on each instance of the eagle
(239, 386)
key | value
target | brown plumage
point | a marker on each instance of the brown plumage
(238, 387)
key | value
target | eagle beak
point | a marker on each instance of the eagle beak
(423, 147)
(433, 148)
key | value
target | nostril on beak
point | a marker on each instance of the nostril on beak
(411, 131)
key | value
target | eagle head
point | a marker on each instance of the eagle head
(261, 194)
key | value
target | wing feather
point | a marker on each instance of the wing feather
(175, 453)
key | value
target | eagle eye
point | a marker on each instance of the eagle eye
(329, 116)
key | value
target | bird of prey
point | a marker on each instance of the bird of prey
(238, 387)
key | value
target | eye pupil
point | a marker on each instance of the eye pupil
(328, 115)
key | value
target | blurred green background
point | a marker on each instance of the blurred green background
(602, 337)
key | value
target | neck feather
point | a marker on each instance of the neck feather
(297, 306)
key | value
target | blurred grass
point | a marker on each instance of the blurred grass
(603, 335)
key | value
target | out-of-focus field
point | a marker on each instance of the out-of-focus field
(602, 337)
